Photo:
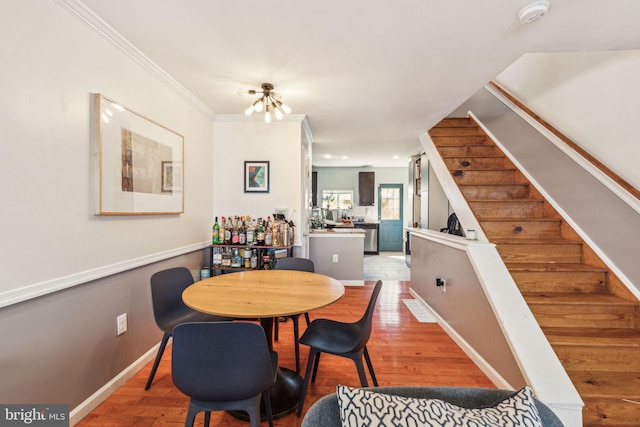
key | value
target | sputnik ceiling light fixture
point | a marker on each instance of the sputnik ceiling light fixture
(270, 102)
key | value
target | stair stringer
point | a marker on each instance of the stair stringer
(537, 360)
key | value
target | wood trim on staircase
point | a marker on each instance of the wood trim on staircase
(577, 148)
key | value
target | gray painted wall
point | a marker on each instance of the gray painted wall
(62, 347)
(464, 305)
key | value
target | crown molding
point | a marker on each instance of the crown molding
(87, 16)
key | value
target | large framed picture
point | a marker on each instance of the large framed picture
(256, 177)
(138, 163)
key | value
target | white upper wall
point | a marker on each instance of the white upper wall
(52, 62)
(239, 139)
(591, 97)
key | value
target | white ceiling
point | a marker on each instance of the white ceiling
(370, 75)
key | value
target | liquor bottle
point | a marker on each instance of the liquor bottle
(260, 235)
(250, 234)
(227, 231)
(268, 236)
(254, 259)
(242, 233)
(215, 234)
(223, 225)
(236, 261)
(217, 257)
(226, 258)
(235, 233)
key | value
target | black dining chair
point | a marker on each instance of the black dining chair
(225, 366)
(169, 310)
(340, 339)
(299, 264)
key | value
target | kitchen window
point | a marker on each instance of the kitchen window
(337, 199)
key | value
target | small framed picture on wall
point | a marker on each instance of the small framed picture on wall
(256, 176)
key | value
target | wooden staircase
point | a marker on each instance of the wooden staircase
(589, 317)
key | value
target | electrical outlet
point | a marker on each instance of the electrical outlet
(441, 283)
(121, 322)
(335, 257)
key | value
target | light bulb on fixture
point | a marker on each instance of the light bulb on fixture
(267, 114)
(284, 107)
(258, 105)
(278, 113)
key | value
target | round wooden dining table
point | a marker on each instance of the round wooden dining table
(266, 295)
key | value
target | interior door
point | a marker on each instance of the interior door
(390, 214)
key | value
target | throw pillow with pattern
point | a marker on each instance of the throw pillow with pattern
(365, 408)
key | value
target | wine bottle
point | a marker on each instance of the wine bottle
(215, 235)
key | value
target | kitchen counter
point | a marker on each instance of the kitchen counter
(332, 232)
(338, 253)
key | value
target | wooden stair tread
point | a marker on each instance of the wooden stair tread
(567, 298)
(552, 267)
(608, 384)
(487, 171)
(593, 337)
(500, 184)
(504, 201)
(523, 219)
(456, 122)
(536, 241)
(495, 156)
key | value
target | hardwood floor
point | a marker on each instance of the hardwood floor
(403, 351)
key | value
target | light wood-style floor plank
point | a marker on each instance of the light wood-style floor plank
(403, 351)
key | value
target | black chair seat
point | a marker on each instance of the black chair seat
(330, 336)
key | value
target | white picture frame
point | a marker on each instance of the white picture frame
(138, 163)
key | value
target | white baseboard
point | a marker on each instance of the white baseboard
(352, 282)
(82, 410)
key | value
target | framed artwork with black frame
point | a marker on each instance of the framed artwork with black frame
(256, 176)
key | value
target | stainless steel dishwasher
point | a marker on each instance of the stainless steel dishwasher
(370, 236)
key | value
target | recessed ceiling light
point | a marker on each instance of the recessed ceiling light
(345, 157)
(327, 156)
(396, 157)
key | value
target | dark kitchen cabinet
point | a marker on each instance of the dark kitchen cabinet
(366, 186)
(314, 189)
